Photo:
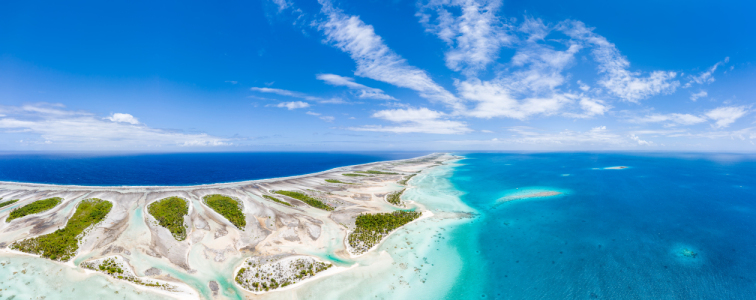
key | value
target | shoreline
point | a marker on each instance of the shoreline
(211, 239)
(208, 185)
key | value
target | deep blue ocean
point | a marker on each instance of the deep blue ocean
(176, 168)
(668, 227)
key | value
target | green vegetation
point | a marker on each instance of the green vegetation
(266, 277)
(336, 181)
(395, 198)
(277, 200)
(371, 228)
(113, 268)
(353, 175)
(6, 203)
(169, 213)
(373, 172)
(228, 207)
(62, 244)
(33, 208)
(306, 199)
(404, 181)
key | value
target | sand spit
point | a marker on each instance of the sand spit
(214, 247)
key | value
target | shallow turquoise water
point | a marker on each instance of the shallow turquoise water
(616, 234)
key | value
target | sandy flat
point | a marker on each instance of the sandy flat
(213, 245)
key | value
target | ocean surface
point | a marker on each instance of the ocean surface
(669, 226)
(176, 168)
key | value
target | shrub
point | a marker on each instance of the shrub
(6, 203)
(33, 208)
(306, 199)
(63, 243)
(277, 200)
(169, 213)
(228, 207)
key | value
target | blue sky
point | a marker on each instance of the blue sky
(311, 75)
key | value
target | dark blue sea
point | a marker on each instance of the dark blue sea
(176, 168)
(670, 226)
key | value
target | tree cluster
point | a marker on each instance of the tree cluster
(169, 213)
(33, 208)
(306, 199)
(62, 244)
(227, 207)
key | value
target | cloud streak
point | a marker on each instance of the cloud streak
(411, 120)
(364, 92)
(55, 125)
(374, 59)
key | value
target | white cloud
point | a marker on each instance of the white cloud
(232, 81)
(55, 125)
(123, 118)
(486, 131)
(597, 136)
(639, 141)
(324, 118)
(475, 36)
(286, 93)
(681, 119)
(496, 100)
(293, 105)
(722, 117)
(299, 95)
(706, 76)
(696, 96)
(413, 120)
(584, 87)
(591, 108)
(726, 115)
(627, 85)
(364, 91)
(282, 4)
(374, 59)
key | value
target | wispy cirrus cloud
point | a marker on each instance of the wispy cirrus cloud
(705, 76)
(721, 116)
(292, 105)
(726, 115)
(53, 124)
(321, 116)
(415, 120)
(364, 91)
(617, 78)
(375, 59)
(699, 95)
(299, 95)
(475, 35)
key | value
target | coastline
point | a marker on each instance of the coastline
(210, 185)
(271, 229)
